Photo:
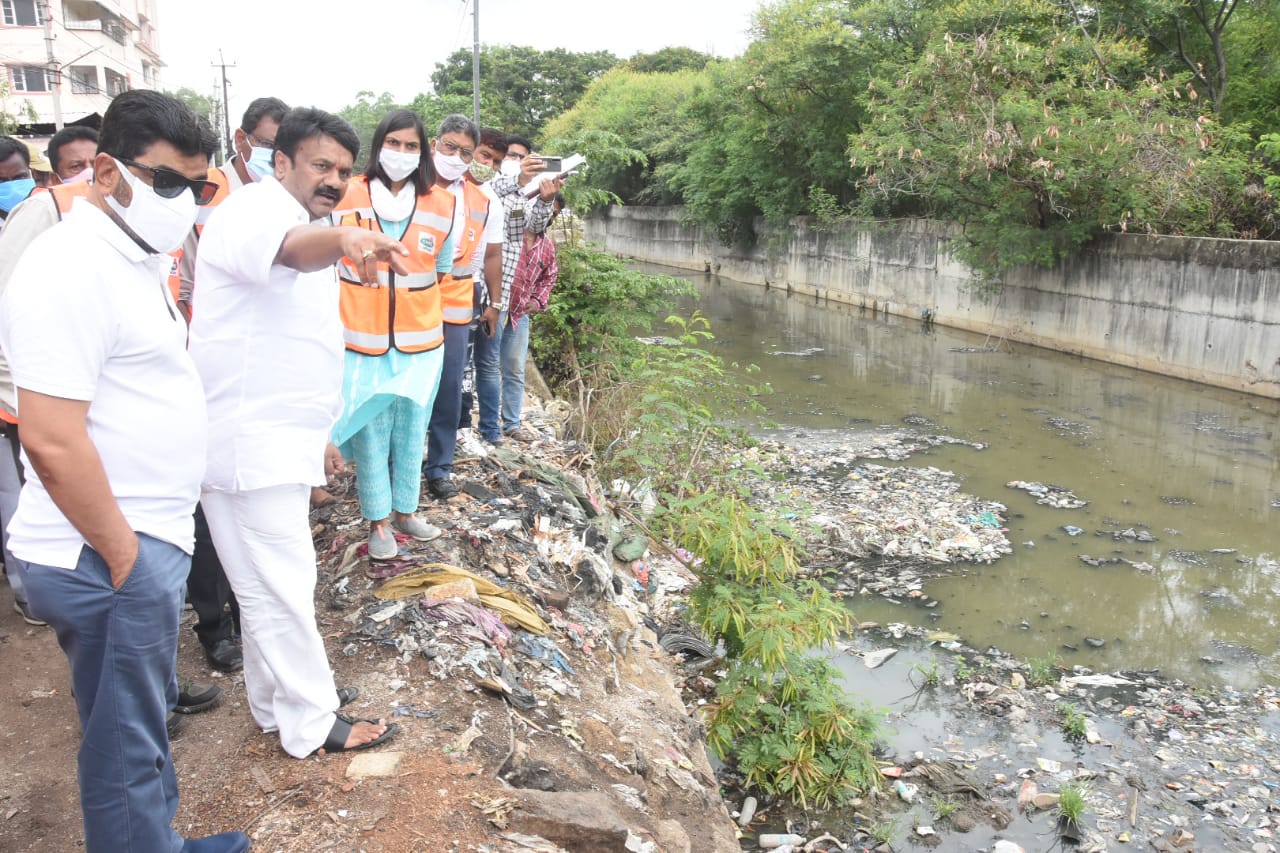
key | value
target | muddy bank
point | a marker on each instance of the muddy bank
(535, 701)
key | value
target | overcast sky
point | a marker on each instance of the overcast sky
(322, 52)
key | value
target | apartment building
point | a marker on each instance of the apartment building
(100, 49)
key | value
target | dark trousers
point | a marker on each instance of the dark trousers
(479, 298)
(122, 645)
(442, 429)
(209, 591)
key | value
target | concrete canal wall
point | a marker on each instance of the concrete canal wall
(1201, 309)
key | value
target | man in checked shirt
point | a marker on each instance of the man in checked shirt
(500, 359)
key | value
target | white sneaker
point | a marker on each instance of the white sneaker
(382, 544)
(418, 529)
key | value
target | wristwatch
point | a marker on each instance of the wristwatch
(499, 306)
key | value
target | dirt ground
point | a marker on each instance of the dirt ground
(474, 771)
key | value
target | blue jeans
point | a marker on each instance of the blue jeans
(442, 430)
(515, 350)
(122, 645)
(489, 380)
(500, 364)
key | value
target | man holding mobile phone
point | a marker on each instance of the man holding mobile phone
(500, 357)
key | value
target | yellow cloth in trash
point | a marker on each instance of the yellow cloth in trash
(511, 606)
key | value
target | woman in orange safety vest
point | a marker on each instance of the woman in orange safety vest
(393, 331)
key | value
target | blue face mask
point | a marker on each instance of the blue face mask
(260, 162)
(12, 192)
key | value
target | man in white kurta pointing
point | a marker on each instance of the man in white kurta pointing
(267, 340)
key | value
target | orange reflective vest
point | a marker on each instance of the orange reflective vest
(457, 291)
(404, 312)
(219, 177)
(64, 195)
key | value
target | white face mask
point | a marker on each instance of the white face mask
(450, 168)
(161, 223)
(398, 164)
(81, 177)
(511, 168)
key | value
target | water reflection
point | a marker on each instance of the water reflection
(1196, 467)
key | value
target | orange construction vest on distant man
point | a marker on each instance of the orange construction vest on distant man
(457, 290)
(65, 195)
(404, 313)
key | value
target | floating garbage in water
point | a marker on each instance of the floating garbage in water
(1072, 530)
(877, 658)
(1057, 497)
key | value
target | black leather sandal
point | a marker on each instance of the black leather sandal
(342, 726)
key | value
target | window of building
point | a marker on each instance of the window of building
(84, 79)
(115, 30)
(29, 78)
(117, 83)
(23, 13)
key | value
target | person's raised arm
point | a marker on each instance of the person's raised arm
(308, 248)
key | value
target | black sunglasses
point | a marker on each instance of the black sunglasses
(169, 184)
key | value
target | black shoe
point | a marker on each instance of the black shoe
(173, 724)
(225, 655)
(24, 610)
(194, 698)
(442, 488)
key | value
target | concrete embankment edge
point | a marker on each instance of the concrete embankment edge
(1201, 309)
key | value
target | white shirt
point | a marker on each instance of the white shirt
(493, 226)
(267, 341)
(87, 316)
(33, 216)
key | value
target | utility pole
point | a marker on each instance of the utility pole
(226, 111)
(475, 63)
(215, 110)
(53, 73)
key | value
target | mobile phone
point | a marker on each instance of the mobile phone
(551, 164)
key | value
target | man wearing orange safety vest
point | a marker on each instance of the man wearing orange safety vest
(253, 141)
(477, 239)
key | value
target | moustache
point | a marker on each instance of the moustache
(330, 193)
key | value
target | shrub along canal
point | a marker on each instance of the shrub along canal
(1173, 562)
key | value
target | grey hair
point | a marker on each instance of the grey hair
(457, 123)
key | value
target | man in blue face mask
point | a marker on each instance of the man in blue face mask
(15, 175)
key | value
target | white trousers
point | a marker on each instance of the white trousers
(264, 541)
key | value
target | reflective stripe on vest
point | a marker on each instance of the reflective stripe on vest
(412, 281)
(404, 312)
(457, 290)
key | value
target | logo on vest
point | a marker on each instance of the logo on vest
(427, 243)
(471, 235)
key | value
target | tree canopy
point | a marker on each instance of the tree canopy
(522, 87)
(1036, 124)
